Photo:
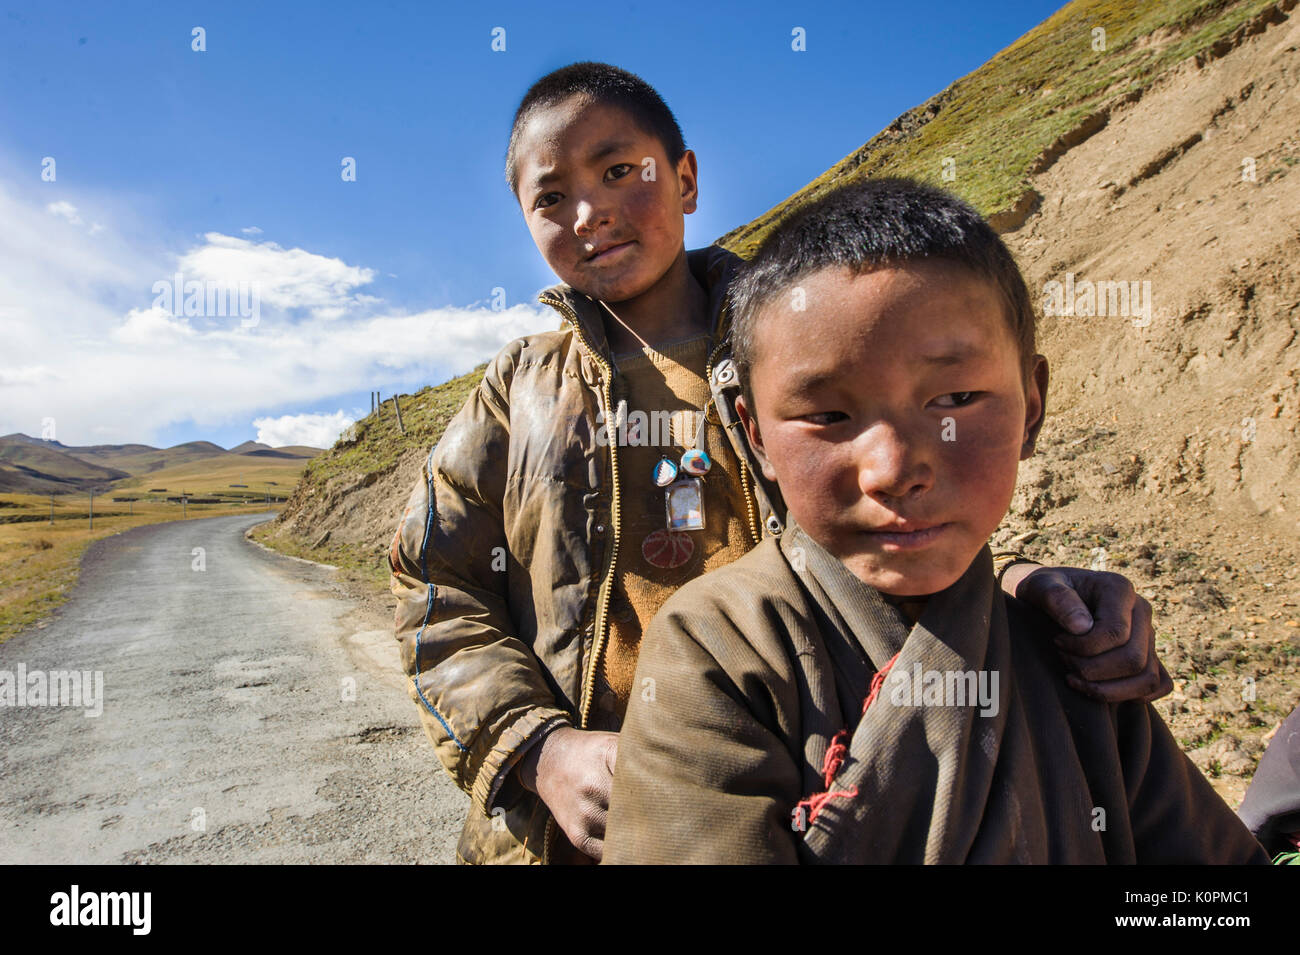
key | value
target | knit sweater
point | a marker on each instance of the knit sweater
(665, 392)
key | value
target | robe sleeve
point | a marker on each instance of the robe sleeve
(1177, 818)
(703, 774)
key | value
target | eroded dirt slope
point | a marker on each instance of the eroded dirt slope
(1171, 454)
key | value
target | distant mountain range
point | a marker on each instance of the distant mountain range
(38, 466)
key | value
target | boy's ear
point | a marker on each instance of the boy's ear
(1035, 406)
(689, 178)
(750, 423)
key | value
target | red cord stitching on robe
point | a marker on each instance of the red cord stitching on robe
(836, 752)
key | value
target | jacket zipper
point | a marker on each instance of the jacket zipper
(606, 583)
(615, 514)
(615, 520)
(751, 514)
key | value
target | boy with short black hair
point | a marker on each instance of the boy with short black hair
(859, 690)
(595, 469)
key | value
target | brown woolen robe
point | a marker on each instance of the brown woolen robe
(747, 673)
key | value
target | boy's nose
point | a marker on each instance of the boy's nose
(590, 218)
(893, 464)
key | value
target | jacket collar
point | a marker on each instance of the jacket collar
(876, 624)
(859, 610)
(713, 267)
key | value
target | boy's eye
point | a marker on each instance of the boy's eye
(546, 199)
(613, 171)
(956, 399)
(825, 417)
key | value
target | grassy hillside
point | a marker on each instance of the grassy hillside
(373, 444)
(344, 510)
(56, 465)
(15, 479)
(218, 474)
(1007, 119)
(140, 459)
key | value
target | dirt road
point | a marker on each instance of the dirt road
(251, 712)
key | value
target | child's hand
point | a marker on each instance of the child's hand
(572, 770)
(1112, 649)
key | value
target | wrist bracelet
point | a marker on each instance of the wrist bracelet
(1002, 561)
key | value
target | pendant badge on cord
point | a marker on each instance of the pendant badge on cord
(683, 485)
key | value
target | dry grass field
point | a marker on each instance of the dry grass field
(39, 559)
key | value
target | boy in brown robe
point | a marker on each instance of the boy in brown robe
(859, 690)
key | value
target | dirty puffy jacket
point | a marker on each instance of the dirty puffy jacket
(503, 561)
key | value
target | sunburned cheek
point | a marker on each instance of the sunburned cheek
(549, 240)
(807, 479)
(983, 478)
(983, 444)
(824, 484)
(642, 205)
(998, 429)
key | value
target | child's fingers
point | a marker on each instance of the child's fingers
(1119, 691)
(1117, 622)
(593, 834)
(1149, 685)
(1135, 657)
(1053, 593)
(587, 829)
(1164, 685)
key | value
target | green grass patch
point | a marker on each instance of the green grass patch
(362, 562)
(375, 443)
(994, 123)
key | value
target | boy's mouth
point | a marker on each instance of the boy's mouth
(607, 252)
(908, 535)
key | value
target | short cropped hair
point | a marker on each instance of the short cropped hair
(603, 84)
(866, 225)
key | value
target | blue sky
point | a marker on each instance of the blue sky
(227, 161)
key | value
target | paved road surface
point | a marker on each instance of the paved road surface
(223, 706)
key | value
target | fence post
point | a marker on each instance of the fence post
(398, 410)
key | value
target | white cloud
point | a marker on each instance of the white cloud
(57, 284)
(32, 374)
(67, 211)
(84, 341)
(283, 278)
(64, 210)
(251, 230)
(152, 327)
(313, 430)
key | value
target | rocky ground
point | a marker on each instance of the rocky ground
(1225, 591)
